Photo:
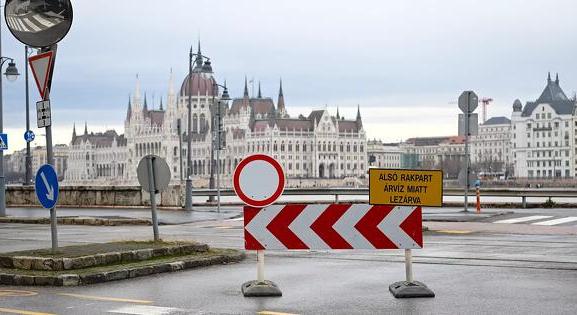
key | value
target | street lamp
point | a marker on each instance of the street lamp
(206, 69)
(216, 138)
(11, 75)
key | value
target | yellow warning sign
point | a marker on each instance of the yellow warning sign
(406, 187)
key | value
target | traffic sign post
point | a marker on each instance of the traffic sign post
(29, 136)
(412, 188)
(468, 102)
(46, 187)
(3, 141)
(54, 19)
(259, 181)
(154, 176)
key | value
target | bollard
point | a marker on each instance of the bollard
(336, 198)
(478, 200)
(524, 202)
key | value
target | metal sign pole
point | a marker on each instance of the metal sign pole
(49, 149)
(218, 135)
(152, 192)
(467, 157)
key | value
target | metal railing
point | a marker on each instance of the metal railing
(522, 193)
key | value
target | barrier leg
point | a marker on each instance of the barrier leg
(260, 286)
(409, 265)
(260, 265)
(410, 288)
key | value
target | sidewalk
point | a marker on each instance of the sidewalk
(208, 213)
(167, 217)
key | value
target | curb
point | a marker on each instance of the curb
(88, 261)
(66, 280)
(77, 221)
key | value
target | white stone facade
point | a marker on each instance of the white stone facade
(544, 135)
(491, 148)
(384, 155)
(317, 146)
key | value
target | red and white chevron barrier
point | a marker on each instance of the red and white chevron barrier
(334, 226)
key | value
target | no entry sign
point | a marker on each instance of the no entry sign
(258, 180)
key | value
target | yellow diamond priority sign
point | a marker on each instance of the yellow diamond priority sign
(406, 187)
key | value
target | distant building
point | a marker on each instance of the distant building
(491, 148)
(16, 162)
(319, 145)
(444, 153)
(384, 155)
(543, 135)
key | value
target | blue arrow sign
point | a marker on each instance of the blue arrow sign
(3, 141)
(47, 186)
(29, 136)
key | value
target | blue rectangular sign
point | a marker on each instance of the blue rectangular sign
(3, 141)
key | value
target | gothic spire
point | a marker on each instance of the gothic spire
(557, 78)
(161, 103)
(198, 60)
(85, 128)
(245, 87)
(548, 77)
(73, 131)
(145, 109)
(259, 94)
(359, 121)
(129, 111)
(338, 115)
(280, 103)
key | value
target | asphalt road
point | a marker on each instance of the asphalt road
(473, 267)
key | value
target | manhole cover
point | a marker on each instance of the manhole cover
(13, 293)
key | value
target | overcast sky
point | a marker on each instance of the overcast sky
(404, 62)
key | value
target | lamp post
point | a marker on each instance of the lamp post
(216, 138)
(11, 74)
(205, 68)
(188, 191)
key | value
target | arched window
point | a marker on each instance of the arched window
(194, 123)
(202, 123)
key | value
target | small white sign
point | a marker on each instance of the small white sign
(43, 115)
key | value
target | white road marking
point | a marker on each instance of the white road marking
(12, 23)
(145, 310)
(22, 27)
(524, 219)
(236, 219)
(42, 20)
(31, 25)
(557, 221)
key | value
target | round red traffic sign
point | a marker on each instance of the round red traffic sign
(258, 180)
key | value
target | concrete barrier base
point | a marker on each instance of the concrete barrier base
(256, 288)
(415, 289)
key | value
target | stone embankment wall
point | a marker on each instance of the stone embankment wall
(96, 196)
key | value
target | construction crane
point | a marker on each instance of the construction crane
(485, 101)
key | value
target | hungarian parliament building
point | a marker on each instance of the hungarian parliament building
(319, 145)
